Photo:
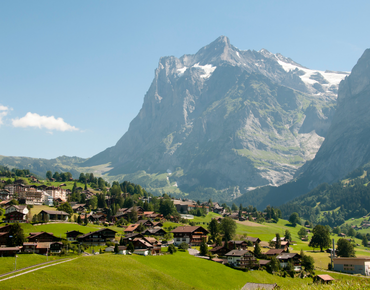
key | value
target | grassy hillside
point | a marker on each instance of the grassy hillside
(178, 271)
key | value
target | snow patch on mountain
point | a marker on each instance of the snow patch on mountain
(208, 69)
(181, 71)
(309, 76)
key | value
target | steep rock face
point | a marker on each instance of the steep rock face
(225, 117)
(347, 145)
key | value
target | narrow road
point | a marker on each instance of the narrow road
(33, 270)
(33, 266)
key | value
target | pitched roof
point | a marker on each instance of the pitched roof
(187, 229)
(131, 228)
(59, 212)
(237, 253)
(326, 277)
(274, 252)
(287, 256)
(35, 234)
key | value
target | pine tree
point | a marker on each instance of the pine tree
(203, 248)
(15, 236)
(278, 241)
(257, 250)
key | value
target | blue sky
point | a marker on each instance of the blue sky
(73, 74)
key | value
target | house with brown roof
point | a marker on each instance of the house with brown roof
(323, 279)
(130, 237)
(253, 240)
(72, 235)
(274, 252)
(147, 223)
(15, 217)
(193, 235)
(54, 215)
(242, 259)
(240, 245)
(154, 232)
(122, 250)
(98, 217)
(5, 229)
(220, 250)
(149, 244)
(9, 251)
(293, 258)
(42, 237)
(79, 208)
(4, 238)
(131, 228)
(99, 237)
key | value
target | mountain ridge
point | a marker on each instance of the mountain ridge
(195, 101)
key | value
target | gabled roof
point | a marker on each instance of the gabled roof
(287, 256)
(74, 231)
(34, 234)
(131, 228)
(188, 229)
(274, 252)
(326, 277)
(58, 212)
(238, 253)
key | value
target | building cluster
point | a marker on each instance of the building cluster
(33, 194)
(38, 242)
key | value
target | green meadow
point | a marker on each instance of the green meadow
(178, 271)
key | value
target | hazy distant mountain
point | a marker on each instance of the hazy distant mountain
(225, 118)
(40, 166)
(346, 146)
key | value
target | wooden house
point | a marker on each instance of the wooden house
(242, 259)
(99, 237)
(192, 235)
(293, 258)
(54, 215)
(42, 237)
(72, 235)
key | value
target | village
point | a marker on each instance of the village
(141, 230)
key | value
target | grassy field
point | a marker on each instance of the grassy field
(59, 229)
(24, 260)
(178, 271)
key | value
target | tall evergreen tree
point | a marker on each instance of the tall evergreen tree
(16, 236)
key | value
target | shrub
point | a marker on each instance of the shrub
(183, 246)
(172, 249)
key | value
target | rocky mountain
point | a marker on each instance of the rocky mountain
(226, 118)
(346, 146)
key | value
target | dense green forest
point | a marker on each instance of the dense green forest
(333, 204)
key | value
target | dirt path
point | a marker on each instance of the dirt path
(33, 270)
(250, 224)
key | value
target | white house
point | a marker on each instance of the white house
(19, 208)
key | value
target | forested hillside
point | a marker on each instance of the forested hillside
(333, 204)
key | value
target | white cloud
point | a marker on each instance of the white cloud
(3, 112)
(50, 123)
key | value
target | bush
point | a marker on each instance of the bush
(183, 246)
(172, 249)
